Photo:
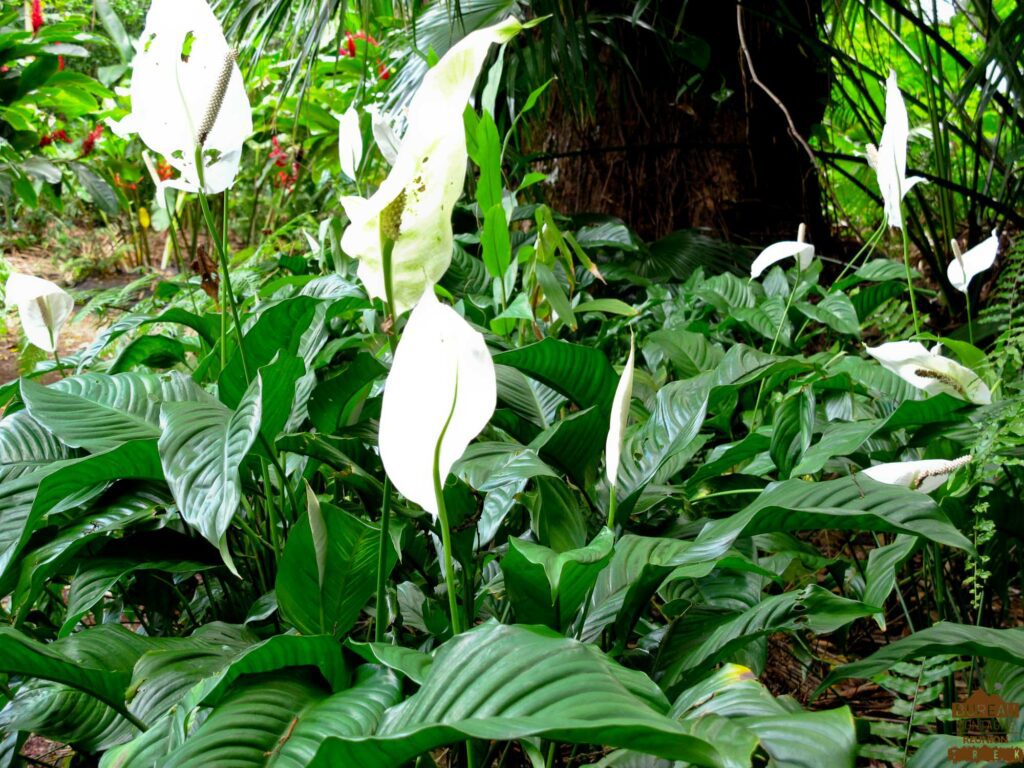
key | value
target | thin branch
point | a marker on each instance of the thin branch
(778, 102)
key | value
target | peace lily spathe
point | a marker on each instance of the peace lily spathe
(440, 393)
(350, 142)
(619, 417)
(776, 252)
(43, 308)
(924, 476)
(965, 267)
(889, 159)
(426, 180)
(187, 92)
(930, 371)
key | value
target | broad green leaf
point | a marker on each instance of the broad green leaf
(330, 605)
(583, 374)
(880, 572)
(294, 326)
(332, 396)
(26, 445)
(499, 682)
(281, 721)
(847, 503)
(100, 575)
(835, 311)
(701, 638)
(689, 353)
(24, 501)
(98, 661)
(548, 587)
(98, 412)
(202, 447)
(942, 639)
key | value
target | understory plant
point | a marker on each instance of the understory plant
(469, 482)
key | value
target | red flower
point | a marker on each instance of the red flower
(348, 49)
(37, 16)
(89, 142)
(47, 139)
(278, 155)
(60, 63)
(129, 185)
(164, 171)
(383, 71)
(287, 180)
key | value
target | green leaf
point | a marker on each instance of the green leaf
(847, 503)
(332, 396)
(294, 326)
(103, 195)
(150, 351)
(98, 661)
(498, 682)
(608, 307)
(835, 311)
(24, 502)
(880, 573)
(583, 374)
(98, 412)
(689, 353)
(330, 604)
(25, 445)
(548, 587)
(202, 448)
(100, 575)
(112, 23)
(280, 722)
(942, 639)
(703, 637)
(497, 249)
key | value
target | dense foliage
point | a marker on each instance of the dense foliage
(696, 501)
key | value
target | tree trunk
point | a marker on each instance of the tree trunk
(665, 156)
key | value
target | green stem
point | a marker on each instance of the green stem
(612, 508)
(380, 625)
(446, 541)
(910, 280)
(970, 319)
(220, 244)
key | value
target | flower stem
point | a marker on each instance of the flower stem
(910, 280)
(442, 515)
(380, 623)
(612, 508)
(219, 242)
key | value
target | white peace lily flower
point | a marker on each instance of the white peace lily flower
(619, 417)
(930, 371)
(42, 306)
(350, 142)
(384, 134)
(187, 92)
(440, 393)
(965, 267)
(889, 159)
(804, 253)
(924, 476)
(426, 180)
